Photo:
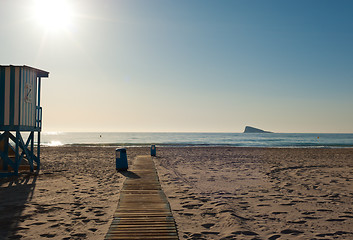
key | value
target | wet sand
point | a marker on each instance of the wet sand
(214, 193)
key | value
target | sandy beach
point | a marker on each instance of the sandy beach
(258, 193)
(214, 193)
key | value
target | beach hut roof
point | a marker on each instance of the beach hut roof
(40, 73)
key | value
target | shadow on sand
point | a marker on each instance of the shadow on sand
(129, 174)
(15, 192)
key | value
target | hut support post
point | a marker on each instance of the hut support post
(29, 154)
(32, 148)
(40, 122)
(17, 158)
(38, 151)
(4, 153)
(5, 162)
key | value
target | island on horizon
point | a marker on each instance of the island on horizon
(249, 129)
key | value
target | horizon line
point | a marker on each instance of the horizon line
(191, 132)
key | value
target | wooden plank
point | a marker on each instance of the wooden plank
(152, 224)
(129, 237)
(155, 223)
(144, 231)
(143, 211)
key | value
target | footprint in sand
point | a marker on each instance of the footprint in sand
(297, 221)
(263, 205)
(77, 213)
(204, 199)
(220, 204)
(274, 237)
(338, 233)
(287, 204)
(230, 237)
(308, 213)
(210, 233)
(196, 236)
(240, 217)
(246, 232)
(277, 213)
(192, 206)
(227, 210)
(291, 232)
(83, 235)
(209, 214)
(207, 225)
(336, 220)
(38, 223)
(48, 235)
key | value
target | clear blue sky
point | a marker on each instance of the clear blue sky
(191, 66)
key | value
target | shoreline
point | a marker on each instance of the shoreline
(287, 140)
(214, 192)
(191, 146)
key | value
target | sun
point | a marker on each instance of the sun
(53, 15)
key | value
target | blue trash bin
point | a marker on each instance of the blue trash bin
(121, 159)
(153, 150)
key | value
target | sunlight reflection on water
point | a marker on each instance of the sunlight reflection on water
(52, 133)
(54, 144)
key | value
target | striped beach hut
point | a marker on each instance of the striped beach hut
(20, 111)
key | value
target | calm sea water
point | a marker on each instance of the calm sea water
(200, 139)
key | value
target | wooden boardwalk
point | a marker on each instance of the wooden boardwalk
(143, 211)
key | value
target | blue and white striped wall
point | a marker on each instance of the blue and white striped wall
(18, 93)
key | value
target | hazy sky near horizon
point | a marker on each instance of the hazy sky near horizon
(190, 66)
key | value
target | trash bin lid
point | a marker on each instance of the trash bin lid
(121, 150)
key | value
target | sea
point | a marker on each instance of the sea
(135, 139)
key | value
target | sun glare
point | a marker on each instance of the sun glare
(53, 14)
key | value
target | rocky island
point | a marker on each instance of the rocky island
(249, 129)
